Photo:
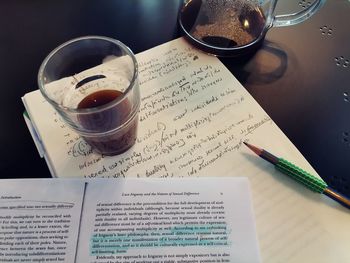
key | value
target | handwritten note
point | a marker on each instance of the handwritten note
(194, 117)
(193, 114)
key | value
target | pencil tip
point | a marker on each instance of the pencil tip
(253, 148)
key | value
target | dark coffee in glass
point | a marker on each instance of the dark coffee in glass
(92, 82)
(107, 120)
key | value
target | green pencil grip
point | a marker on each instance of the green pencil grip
(310, 181)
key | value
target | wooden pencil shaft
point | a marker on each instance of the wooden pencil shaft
(269, 157)
(337, 197)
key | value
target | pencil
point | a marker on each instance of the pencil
(313, 183)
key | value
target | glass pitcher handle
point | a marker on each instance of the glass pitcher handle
(296, 18)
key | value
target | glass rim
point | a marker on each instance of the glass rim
(98, 108)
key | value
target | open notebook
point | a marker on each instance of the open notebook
(194, 117)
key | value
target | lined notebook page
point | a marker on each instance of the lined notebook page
(194, 117)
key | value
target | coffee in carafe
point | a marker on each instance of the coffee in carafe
(234, 27)
(236, 23)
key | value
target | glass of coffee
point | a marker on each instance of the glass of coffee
(234, 27)
(92, 82)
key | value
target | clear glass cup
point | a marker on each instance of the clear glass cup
(234, 27)
(92, 82)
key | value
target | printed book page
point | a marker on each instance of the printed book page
(174, 220)
(134, 220)
(39, 219)
(194, 117)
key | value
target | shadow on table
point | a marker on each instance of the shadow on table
(265, 66)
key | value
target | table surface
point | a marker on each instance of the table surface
(300, 76)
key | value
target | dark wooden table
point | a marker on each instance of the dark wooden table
(301, 75)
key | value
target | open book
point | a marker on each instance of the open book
(194, 117)
(134, 220)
